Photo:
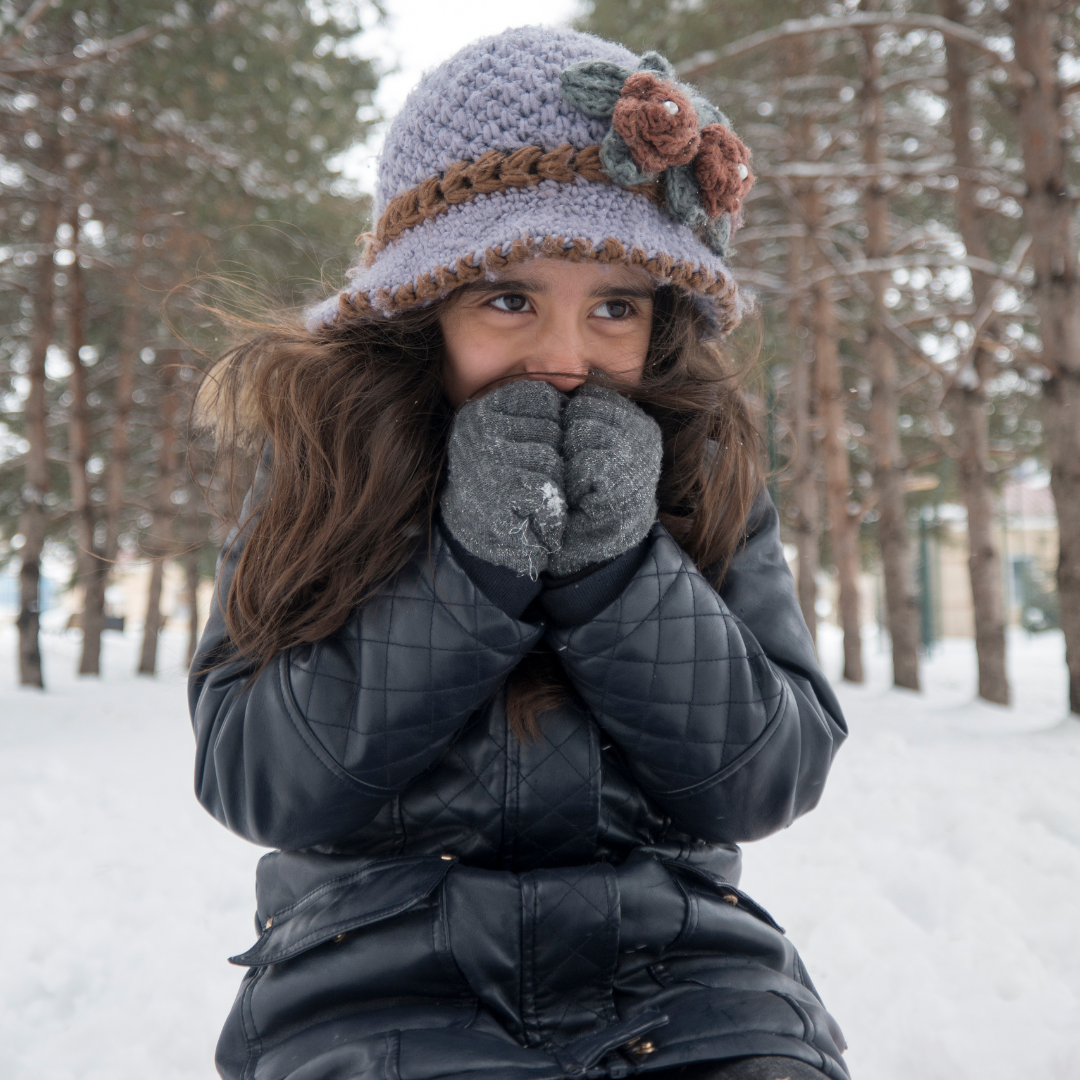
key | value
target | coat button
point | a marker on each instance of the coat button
(269, 923)
(447, 858)
(644, 1048)
(732, 899)
(339, 938)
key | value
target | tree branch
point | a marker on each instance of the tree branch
(68, 63)
(857, 170)
(33, 14)
(987, 311)
(898, 262)
(700, 64)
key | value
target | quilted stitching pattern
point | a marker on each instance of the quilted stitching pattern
(673, 676)
(500, 802)
(391, 736)
(458, 805)
(570, 945)
(388, 692)
(628, 817)
(556, 802)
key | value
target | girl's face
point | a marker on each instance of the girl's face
(548, 319)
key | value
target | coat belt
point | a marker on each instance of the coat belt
(539, 949)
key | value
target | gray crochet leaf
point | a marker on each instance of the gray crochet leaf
(707, 112)
(593, 86)
(653, 61)
(684, 196)
(718, 235)
(619, 163)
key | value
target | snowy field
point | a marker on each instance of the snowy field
(933, 893)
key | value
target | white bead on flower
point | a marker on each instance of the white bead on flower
(744, 172)
(671, 107)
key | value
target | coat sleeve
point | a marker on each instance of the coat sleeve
(716, 700)
(311, 748)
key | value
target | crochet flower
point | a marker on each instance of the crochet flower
(722, 170)
(657, 122)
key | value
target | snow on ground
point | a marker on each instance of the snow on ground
(123, 896)
(932, 894)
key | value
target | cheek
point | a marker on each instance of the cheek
(473, 356)
(623, 357)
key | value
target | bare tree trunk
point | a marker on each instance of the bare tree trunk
(191, 573)
(805, 510)
(1050, 217)
(153, 623)
(102, 557)
(889, 466)
(967, 402)
(96, 578)
(90, 568)
(901, 602)
(160, 536)
(37, 481)
(984, 560)
(842, 526)
(116, 471)
(803, 504)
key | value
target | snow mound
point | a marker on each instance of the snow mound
(932, 893)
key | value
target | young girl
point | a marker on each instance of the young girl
(506, 657)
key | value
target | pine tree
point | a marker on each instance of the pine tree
(144, 144)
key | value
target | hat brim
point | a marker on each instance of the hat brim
(576, 221)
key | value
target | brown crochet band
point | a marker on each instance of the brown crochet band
(430, 286)
(496, 170)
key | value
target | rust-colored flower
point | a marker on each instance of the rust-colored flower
(722, 168)
(657, 122)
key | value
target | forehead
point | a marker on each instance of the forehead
(562, 275)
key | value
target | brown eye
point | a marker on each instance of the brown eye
(614, 309)
(512, 302)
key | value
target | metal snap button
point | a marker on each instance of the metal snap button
(732, 899)
(339, 938)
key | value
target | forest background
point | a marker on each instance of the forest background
(912, 237)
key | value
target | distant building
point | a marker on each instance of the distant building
(126, 597)
(1028, 543)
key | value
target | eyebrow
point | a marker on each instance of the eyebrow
(632, 292)
(519, 285)
(509, 285)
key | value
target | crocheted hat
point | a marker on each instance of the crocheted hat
(549, 142)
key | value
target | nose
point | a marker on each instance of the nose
(559, 353)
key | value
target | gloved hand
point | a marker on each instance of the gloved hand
(611, 453)
(504, 498)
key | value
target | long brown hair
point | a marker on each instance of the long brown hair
(357, 422)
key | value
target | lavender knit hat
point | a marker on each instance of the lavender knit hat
(550, 142)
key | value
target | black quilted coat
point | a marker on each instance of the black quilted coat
(451, 901)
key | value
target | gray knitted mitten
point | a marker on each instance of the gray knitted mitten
(611, 453)
(504, 498)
